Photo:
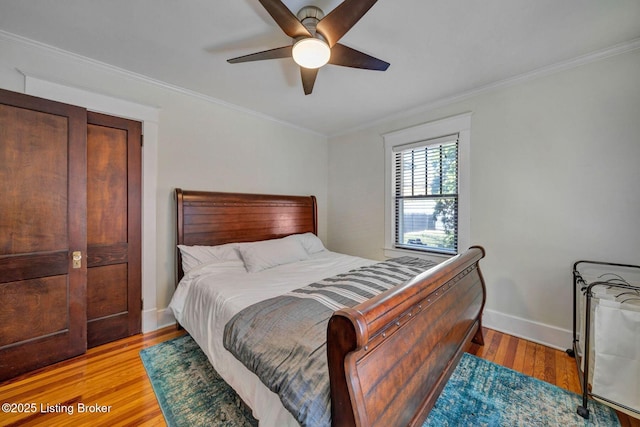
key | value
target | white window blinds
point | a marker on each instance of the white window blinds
(426, 195)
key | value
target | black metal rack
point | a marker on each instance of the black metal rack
(582, 288)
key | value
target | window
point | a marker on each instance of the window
(427, 188)
(426, 195)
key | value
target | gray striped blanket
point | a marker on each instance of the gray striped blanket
(283, 339)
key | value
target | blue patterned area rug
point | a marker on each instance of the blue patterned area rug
(190, 392)
(479, 393)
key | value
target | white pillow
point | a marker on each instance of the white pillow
(258, 256)
(193, 256)
(310, 242)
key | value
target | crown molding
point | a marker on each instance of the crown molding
(619, 49)
(17, 39)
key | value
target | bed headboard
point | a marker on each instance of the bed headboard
(215, 218)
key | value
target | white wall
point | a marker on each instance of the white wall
(201, 144)
(555, 170)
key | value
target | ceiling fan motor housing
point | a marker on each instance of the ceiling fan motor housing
(309, 16)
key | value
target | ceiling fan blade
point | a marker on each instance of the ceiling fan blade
(348, 57)
(279, 52)
(308, 79)
(342, 18)
(285, 18)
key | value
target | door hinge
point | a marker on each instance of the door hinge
(141, 304)
(141, 140)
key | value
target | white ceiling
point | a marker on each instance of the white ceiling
(437, 48)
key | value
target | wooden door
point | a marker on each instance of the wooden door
(42, 223)
(114, 301)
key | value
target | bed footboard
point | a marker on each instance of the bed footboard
(391, 356)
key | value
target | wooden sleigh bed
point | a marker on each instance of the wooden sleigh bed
(388, 357)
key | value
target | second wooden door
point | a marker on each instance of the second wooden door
(114, 300)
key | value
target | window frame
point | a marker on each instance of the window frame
(460, 124)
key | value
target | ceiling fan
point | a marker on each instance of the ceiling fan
(315, 39)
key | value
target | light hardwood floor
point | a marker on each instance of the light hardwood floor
(111, 378)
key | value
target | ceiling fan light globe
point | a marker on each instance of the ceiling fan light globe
(311, 52)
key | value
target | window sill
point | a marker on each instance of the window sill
(397, 252)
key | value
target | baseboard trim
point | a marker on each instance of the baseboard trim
(537, 332)
(154, 319)
(149, 320)
(165, 318)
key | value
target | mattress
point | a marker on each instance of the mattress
(209, 295)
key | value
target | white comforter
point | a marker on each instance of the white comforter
(211, 294)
